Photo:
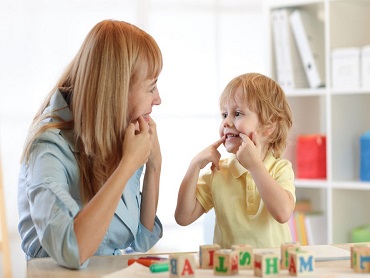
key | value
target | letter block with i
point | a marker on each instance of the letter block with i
(245, 252)
(206, 253)
(226, 262)
(266, 264)
(285, 248)
(361, 259)
(181, 265)
(301, 263)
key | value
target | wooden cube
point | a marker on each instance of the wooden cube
(226, 262)
(285, 248)
(353, 254)
(266, 264)
(360, 258)
(206, 253)
(181, 265)
(245, 253)
(301, 263)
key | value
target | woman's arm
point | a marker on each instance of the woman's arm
(93, 220)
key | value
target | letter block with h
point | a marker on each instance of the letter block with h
(206, 253)
(226, 262)
(245, 252)
(181, 265)
(301, 263)
(266, 264)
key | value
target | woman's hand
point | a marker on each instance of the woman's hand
(155, 157)
(136, 144)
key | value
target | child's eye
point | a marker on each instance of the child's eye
(237, 113)
(223, 115)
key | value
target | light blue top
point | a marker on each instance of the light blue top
(49, 200)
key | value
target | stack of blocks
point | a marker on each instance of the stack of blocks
(241, 256)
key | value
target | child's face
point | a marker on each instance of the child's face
(237, 118)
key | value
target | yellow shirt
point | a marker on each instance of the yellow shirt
(241, 215)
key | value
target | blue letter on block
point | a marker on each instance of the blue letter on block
(173, 264)
(364, 259)
(306, 266)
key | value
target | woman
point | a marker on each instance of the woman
(79, 183)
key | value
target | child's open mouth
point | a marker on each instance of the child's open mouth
(231, 135)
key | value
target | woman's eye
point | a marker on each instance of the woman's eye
(152, 90)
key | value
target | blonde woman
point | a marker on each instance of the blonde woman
(87, 149)
(252, 190)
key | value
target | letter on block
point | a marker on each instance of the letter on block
(266, 264)
(301, 263)
(226, 262)
(245, 252)
(360, 259)
(182, 265)
(206, 253)
(285, 248)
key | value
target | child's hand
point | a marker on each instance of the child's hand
(250, 151)
(210, 154)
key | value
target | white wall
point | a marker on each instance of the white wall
(204, 43)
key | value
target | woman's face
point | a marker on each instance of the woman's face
(142, 97)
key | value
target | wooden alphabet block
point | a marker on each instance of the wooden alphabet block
(226, 262)
(285, 248)
(360, 259)
(353, 254)
(301, 262)
(245, 253)
(266, 264)
(206, 253)
(181, 265)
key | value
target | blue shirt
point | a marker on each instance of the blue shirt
(49, 200)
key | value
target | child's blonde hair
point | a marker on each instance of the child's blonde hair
(265, 97)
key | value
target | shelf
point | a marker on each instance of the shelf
(342, 114)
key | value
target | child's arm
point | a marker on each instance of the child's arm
(279, 202)
(188, 208)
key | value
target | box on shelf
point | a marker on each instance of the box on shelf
(346, 67)
(311, 156)
(365, 67)
(361, 234)
(365, 157)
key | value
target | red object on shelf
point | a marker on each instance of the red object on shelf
(311, 157)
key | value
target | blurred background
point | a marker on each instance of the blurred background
(204, 44)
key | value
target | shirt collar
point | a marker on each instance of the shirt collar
(237, 169)
(59, 107)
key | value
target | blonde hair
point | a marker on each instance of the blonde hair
(114, 56)
(266, 98)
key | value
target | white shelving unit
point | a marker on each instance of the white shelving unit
(341, 114)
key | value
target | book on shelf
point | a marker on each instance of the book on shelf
(308, 32)
(288, 66)
(308, 228)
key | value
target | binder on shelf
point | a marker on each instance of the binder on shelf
(289, 69)
(308, 32)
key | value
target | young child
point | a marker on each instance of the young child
(252, 191)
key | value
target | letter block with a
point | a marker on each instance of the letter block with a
(301, 263)
(226, 262)
(266, 264)
(285, 248)
(181, 265)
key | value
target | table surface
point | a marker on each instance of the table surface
(103, 265)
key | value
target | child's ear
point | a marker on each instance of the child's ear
(269, 129)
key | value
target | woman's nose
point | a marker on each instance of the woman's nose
(157, 99)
